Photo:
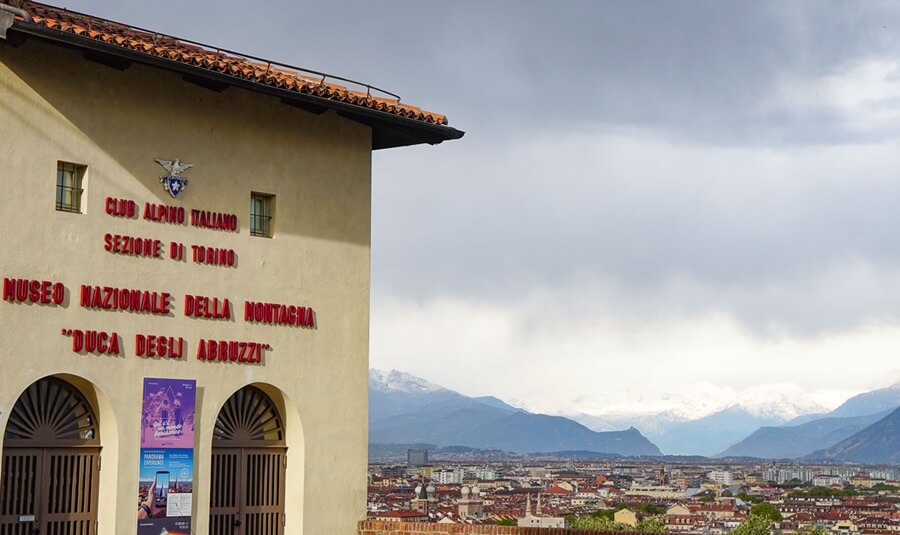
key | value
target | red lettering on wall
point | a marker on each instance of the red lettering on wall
(33, 291)
(108, 298)
(214, 220)
(150, 346)
(163, 213)
(213, 256)
(199, 306)
(231, 351)
(132, 245)
(121, 207)
(99, 342)
(278, 314)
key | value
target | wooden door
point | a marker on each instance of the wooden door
(51, 463)
(69, 495)
(49, 491)
(249, 459)
(224, 504)
(20, 491)
(247, 491)
(263, 496)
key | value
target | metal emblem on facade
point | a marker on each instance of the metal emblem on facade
(174, 182)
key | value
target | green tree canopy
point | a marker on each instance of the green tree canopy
(755, 525)
(824, 492)
(767, 511)
(649, 508)
(655, 525)
(604, 513)
(599, 523)
(652, 524)
(811, 530)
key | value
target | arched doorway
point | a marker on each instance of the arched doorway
(249, 458)
(51, 462)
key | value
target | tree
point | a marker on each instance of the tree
(820, 492)
(655, 525)
(599, 523)
(767, 511)
(649, 508)
(811, 530)
(506, 522)
(652, 524)
(604, 513)
(755, 525)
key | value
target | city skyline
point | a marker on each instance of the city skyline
(655, 207)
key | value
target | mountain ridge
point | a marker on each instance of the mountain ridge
(805, 434)
(878, 443)
(408, 409)
(792, 441)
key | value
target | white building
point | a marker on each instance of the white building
(825, 480)
(720, 477)
(485, 474)
(447, 477)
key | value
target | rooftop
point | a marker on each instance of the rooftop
(394, 123)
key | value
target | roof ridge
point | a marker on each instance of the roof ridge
(221, 61)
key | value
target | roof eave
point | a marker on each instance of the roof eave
(388, 130)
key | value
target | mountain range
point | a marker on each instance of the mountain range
(792, 441)
(677, 434)
(407, 409)
(810, 433)
(878, 443)
(876, 401)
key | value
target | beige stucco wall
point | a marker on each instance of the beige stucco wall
(55, 105)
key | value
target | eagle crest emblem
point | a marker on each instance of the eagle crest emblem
(174, 182)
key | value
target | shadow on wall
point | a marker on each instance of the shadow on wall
(234, 138)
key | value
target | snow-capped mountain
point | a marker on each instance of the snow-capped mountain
(870, 402)
(807, 433)
(778, 402)
(722, 422)
(654, 412)
(397, 381)
(407, 409)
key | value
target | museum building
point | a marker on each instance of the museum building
(185, 271)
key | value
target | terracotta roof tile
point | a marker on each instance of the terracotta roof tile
(229, 64)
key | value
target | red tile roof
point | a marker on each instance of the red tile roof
(403, 513)
(226, 63)
(556, 489)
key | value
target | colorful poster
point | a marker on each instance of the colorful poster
(168, 413)
(166, 476)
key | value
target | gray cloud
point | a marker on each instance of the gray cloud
(685, 157)
(763, 234)
(694, 70)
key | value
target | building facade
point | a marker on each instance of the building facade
(186, 266)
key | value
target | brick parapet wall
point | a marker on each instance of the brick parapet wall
(371, 527)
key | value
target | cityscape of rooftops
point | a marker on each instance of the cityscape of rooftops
(633, 264)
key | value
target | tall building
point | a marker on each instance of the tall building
(470, 504)
(447, 476)
(185, 282)
(425, 499)
(720, 477)
(416, 457)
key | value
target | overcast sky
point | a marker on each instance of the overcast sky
(657, 205)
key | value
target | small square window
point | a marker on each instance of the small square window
(262, 210)
(69, 186)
